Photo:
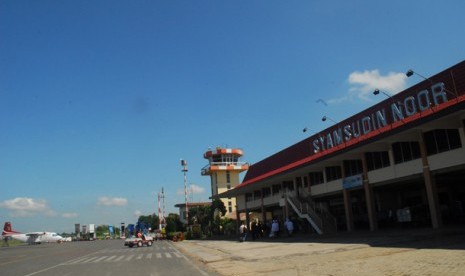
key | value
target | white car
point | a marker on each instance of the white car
(139, 242)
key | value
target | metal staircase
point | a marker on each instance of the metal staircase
(316, 214)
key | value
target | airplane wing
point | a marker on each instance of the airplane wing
(35, 234)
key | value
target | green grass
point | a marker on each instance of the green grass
(11, 243)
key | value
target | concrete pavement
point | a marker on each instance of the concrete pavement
(394, 252)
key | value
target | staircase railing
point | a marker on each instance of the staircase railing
(329, 221)
(317, 215)
(304, 211)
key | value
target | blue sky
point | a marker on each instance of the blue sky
(99, 100)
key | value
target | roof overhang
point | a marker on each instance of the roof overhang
(431, 103)
(433, 112)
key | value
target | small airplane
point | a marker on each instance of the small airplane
(31, 237)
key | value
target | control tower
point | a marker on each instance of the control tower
(224, 169)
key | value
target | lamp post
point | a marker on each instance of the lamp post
(411, 73)
(184, 170)
(324, 118)
(377, 91)
(327, 118)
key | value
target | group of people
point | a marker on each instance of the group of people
(258, 229)
(288, 225)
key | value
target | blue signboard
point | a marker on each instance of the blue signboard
(352, 181)
(130, 229)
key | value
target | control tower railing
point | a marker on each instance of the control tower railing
(207, 168)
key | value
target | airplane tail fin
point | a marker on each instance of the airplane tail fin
(7, 229)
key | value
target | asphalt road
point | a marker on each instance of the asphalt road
(109, 257)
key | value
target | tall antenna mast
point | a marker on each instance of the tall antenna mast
(184, 170)
(191, 194)
(161, 212)
(163, 204)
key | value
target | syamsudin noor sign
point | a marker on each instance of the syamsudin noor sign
(396, 111)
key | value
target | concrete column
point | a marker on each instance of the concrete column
(347, 204)
(369, 196)
(247, 218)
(286, 207)
(391, 156)
(309, 188)
(263, 208)
(294, 183)
(430, 185)
(348, 210)
(238, 220)
(462, 132)
(305, 190)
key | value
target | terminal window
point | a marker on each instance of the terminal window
(316, 178)
(352, 167)
(276, 189)
(306, 181)
(377, 160)
(333, 173)
(289, 185)
(405, 151)
(266, 192)
(441, 140)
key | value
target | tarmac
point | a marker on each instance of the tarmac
(405, 252)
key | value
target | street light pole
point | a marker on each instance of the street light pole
(184, 170)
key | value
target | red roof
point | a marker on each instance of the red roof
(193, 204)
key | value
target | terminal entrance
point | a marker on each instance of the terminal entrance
(451, 193)
(400, 204)
(403, 204)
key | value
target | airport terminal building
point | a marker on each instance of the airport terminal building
(399, 162)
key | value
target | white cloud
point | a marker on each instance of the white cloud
(115, 201)
(50, 213)
(180, 192)
(362, 85)
(25, 206)
(338, 100)
(69, 215)
(196, 189)
(191, 189)
(137, 213)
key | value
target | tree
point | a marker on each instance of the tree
(229, 226)
(173, 223)
(208, 217)
(199, 214)
(217, 204)
(150, 220)
(103, 230)
(216, 212)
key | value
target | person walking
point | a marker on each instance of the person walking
(254, 230)
(274, 229)
(243, 232)
(289, 227)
